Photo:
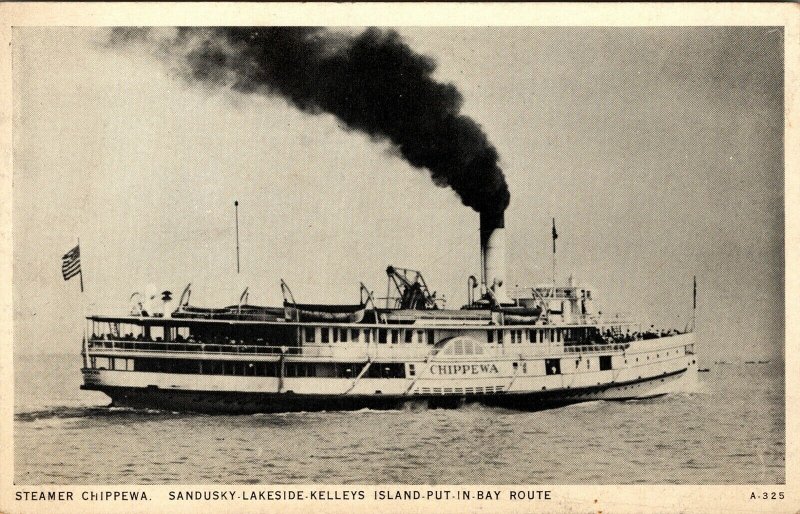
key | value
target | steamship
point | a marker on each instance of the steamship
(528, 348)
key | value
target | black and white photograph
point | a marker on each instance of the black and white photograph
(385, 255)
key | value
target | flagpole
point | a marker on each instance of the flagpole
(85, 345)
(554, 256)
(236, 207)
(80, 272)
(694, 300)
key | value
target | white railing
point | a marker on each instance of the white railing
(336, 351)
(186, 347)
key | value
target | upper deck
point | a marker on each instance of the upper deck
(544, 319)
(340, 341)
(428, 319)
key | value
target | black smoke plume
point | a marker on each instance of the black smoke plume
(373, 82)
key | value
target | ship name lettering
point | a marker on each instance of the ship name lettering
(114, 496)
(463, 369)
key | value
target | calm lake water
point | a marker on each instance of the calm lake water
(731, 431)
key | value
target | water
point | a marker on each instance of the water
(731, 431)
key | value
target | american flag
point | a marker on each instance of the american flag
(71, 263)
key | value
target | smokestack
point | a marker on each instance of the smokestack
(493, 253)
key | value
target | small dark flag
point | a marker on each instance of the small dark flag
(694, 294)
(71, 263)
(555, 235)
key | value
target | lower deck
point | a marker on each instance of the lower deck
(239, 402)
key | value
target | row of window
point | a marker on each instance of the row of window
(367, 336)
(347, 370)
(667, 354)
(281, 335)
(410, 336)
(212, 367)
(543, 335)
(295, 369)
(252, 369)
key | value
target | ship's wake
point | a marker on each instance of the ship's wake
(84, 412)
(590, 405)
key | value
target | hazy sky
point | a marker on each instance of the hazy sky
(659, 151)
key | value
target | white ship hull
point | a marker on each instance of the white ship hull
(516, 380)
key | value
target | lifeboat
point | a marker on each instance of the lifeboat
(189, 311)
(323, 312)
(518, 315)
(256, 312)
(240, 311)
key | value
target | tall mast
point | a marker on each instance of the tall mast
(236, 207)
(694, 300)
(555, 236)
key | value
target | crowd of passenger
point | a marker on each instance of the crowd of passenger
(215, 343)
(611, 337)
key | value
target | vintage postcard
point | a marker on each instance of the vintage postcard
(409, 257)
